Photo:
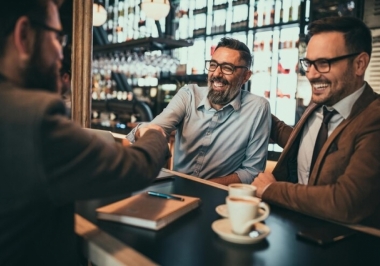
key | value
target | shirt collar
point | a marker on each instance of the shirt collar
(235, 103)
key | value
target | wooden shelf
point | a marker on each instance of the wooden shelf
(184, 78)
(146, 44)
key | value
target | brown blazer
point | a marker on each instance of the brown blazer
(345, 183)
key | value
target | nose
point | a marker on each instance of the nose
(218, 71)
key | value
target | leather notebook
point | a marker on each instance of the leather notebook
(148, 211)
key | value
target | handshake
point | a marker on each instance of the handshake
(145, 127)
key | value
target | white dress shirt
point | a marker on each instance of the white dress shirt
(311, 128)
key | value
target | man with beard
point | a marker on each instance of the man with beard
(338, 179)
(222, 131)
(48, 162)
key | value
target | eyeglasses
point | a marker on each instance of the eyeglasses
(226, 68)
(322, 65)
(61, 36)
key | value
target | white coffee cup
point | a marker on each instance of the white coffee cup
(239, 189)
(243, 212)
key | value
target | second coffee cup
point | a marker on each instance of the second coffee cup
(239, 189)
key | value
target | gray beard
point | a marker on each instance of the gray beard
(222, 97)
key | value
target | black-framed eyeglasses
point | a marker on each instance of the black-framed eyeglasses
(61, 35)
(226, 68)
(323, 65)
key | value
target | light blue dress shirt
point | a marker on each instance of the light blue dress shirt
(214, 143)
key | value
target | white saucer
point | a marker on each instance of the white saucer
(222, 210)
(223, 228)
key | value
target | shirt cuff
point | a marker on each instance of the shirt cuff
(245, 177)
(131, 135)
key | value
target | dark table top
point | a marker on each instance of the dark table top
(191, 241)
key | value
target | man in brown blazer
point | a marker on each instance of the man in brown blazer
(343, 182)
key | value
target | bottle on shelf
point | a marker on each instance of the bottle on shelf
(256, 15)
(272, 14)
(277, 12)
(239, 18)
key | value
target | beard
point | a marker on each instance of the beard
(222, 97)
(38, 75)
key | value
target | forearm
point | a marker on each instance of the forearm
(89, 167)
(257, 149)
(226, 180)
(319, 201)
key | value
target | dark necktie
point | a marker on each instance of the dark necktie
(322, 135)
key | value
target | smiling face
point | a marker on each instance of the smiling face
(342, 80)
(224, 88)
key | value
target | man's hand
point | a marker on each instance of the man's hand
(262, 181)
(144, 128)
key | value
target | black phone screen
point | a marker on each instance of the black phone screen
(326, 234)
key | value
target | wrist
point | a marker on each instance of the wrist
(265, 188)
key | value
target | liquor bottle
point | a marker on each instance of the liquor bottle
(285, 10)
(261, 15)
(272, 15)
(255, 18)
(298, 8)
(183, 24)
(277, 12)
(120, 23)
(110, 23)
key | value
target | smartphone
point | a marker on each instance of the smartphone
(325, 235)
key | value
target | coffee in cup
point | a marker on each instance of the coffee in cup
(244, 212)
(239, 189)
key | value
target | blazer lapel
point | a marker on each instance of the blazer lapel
(361, 103)
(291, 148)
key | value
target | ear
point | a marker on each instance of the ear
(66, 77)
(361, 63)
(247, 75)
(23, 37)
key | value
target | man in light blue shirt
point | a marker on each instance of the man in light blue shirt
(222, 131)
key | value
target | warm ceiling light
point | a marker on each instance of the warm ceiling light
(155, 9)
(99, 15)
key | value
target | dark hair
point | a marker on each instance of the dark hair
(14, 9)
(234, 44)
(357, 35)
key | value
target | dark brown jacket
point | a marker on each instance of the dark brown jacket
(47, 163)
